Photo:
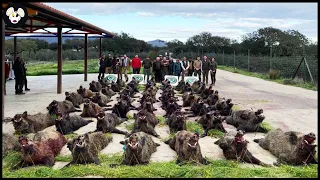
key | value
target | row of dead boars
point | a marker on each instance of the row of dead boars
(41, 147)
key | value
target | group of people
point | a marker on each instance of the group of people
(20, 70)
(160, 67)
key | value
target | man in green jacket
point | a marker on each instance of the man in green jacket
(147, 64)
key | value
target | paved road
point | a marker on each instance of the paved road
(286, 107)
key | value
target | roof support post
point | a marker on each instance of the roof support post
(2, 67)
(14, 48)
(100, 48)
(85, 57)
(59, 82)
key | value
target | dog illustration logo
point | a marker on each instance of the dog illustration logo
(15, 15)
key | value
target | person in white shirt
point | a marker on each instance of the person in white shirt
(185, 67)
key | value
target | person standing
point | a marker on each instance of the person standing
(25, 75)
(197, 67)
(108, 64)
(205, 67)
(101, 67)
(185, 67)
(124, 66)
(165, 68)
(191, 67)
(136, 65)
(115, 60)
(147, 64)
(19, 76)
(171, 64)
(157, 69)
(213, 68)
(177, 68)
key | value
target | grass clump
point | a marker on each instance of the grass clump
(266, 126)
(194, 127)
(218, 169)
(274, 74)
(236, 108)
(162, 120)
(64, 158)
(141, 87)
(215, 133)
(71, 136)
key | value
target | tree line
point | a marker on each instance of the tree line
(259, 42)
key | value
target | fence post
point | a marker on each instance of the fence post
(248, 59)
(270, 58)
(222, 57)
(234, 59)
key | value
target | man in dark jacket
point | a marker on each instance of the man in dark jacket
(108, 64)
(171, 64)
(177, 68)
(147, 64)
(101, 67)
(25, 75)
(19, 76)
(205, 67)
(213, 68)
(164, 67)
(157, 69)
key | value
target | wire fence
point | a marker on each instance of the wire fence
(287, 66)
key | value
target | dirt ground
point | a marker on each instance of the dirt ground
(285, 107)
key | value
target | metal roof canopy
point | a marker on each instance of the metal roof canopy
(34, 35)
(43, 17)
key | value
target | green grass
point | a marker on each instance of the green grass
(194, 127)
(236, 108)
(266, 77)
(141, 87)
(267, 126)
(68, 67)
(218, 169)
(162, 120)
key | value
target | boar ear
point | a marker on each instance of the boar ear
(25, 114)
(86, 136)
(66, 93)
(293, 138)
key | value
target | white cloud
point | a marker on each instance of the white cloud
(223, 19)
(147, 14)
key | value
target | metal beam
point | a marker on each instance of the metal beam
(59, 83)
(2, 67)
(86, 57)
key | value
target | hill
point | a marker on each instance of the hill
(157, 43)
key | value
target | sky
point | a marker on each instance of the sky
(169, 21)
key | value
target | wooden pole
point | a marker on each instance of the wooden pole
(14, 48)
(248, 59)
(59, 84)
(100, 48)
(2, 67)
(86, 57)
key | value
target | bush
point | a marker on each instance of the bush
(274, 74)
